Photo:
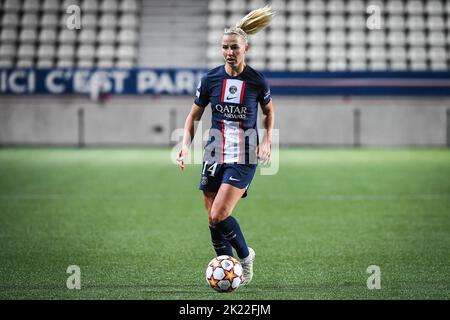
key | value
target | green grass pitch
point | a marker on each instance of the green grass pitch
(136, 226)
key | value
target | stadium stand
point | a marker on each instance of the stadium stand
(38, 30)
(332, 35)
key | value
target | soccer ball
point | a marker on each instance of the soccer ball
(224, 274)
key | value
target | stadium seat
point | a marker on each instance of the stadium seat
(89, 21)
(418, 66)
(90, 6)
(217, 6)
(378, 65)
(296, 65)
(276, 53)
(86, 51)
(105, 63)
(355, 7)
(357, 53)
(398, 65)
(276, 37)
(6, 62)
(356, 22)
(259, 65)
(295, 38)
(25, 63)
(336, 22)
(316, 21)
(396, 38)
(278, 5)
(31, 5)
(296, 7)
(10, 20)
(434, 7)
(336, 37)
(395, 23)
(340, 65)
(316, 53)
(26, 51)
(85, 63)
(415, 22)
(109, 6)
(436, 38)
(50, 6)
(296, 22)
(88, 36)
(437, 54)
(377, 53)
(255, 52)
(45, 63)
(128, 21)
(316, 7)
(107, 36)
(276, 65)
(66, 51)
(124, 63)
(30, 20)
(10, 6)
(296, 53)
(28, 36)
(357, 65)
(317, 65)
(126, 52)
(335, 6)
(105, 51)
(108, 20)
(217, 21)
(128, 36)
(7, 51)
(435, 23)
(414, 7)
(376, 38)
(417, 54)
(278, 23)
(356, 38)
(129, 6)
(395, 7)
(65, 63)
(416, 38)
(49, 20)
(438, 66)
(337, 53)
(317, 37)
(397, 54)
(67, 36)
(237, 6)
(67, 3)
(46, 51)
(8, 35)
(258, 39)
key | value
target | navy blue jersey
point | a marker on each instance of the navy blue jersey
(234, 102)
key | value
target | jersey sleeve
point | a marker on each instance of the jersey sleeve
(264, 96)
(202, 93)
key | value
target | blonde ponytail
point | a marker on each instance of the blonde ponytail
(253, 22)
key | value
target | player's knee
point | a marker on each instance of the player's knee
(217, 215)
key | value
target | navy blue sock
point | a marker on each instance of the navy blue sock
(232, 232)
(220, 244)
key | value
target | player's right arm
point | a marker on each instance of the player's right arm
(194, 115)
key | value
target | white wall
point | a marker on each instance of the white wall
(322, 121)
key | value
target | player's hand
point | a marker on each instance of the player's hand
(264, 152)
(181, 157)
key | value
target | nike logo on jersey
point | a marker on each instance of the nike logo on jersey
(231, 97)
(233, 179)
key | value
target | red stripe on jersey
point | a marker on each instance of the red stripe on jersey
(241, 142)
(223, 141)
(241, 100)
(224, 86)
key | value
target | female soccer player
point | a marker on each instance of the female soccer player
(233, 149)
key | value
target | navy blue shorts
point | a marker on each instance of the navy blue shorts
(238, 175)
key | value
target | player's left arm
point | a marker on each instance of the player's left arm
(268, 122)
